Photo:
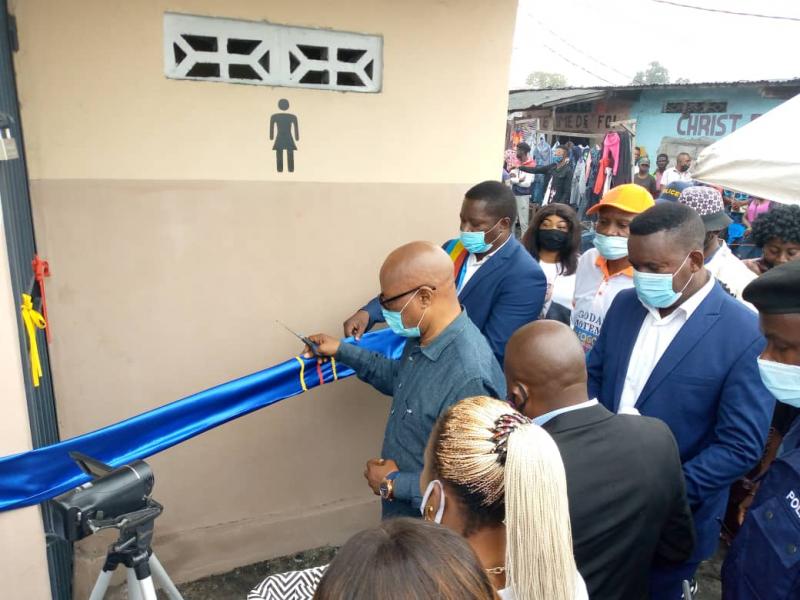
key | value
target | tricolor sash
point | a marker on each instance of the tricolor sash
(458, 254)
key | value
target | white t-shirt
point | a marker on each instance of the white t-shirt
(560, 288)
(672, 175)
(580, 590)
(594, 293)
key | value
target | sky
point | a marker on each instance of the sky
(626, 35)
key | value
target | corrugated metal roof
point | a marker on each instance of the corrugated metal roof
(522, 100)
(599, 88)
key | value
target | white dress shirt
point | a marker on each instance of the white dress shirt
(473, 264)
(655, 336)
(542, 419)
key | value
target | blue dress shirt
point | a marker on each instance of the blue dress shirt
(424, 382)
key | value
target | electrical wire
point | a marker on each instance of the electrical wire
(726, 12)
(562, 40)
(574, 64)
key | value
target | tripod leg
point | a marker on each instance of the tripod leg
(100, 587)
(161, 576)
(134, 590)
(147, 589)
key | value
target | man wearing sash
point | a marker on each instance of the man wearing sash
(445, 359)
(498, 282)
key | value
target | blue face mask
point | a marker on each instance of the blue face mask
(394, 319)
(611, 247)
(782, 381)
(655, 289)
(475, 241)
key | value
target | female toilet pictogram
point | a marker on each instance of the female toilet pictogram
(283, 122)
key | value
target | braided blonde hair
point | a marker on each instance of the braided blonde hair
(525, 486)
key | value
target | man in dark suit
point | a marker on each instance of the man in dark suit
(681, 349)
(499, 284)
(627, 499)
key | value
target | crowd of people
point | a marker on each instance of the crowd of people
(569, 424)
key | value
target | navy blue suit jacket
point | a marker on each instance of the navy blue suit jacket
(706, 388)
(502, 296)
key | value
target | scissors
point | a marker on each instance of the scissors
(302, 338)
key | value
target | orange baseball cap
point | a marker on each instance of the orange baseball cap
(629, 197)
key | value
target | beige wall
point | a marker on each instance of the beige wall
(174, 245)
(91, 73)
(23, 564)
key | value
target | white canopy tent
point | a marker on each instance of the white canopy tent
(761, 159)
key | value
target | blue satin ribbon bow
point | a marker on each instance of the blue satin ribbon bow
(32, 477)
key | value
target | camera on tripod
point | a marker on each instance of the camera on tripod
(105, 501)
(116, 498)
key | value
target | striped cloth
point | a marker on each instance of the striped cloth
(458, 254)
(294, 585)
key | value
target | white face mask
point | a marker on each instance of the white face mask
(439, 513)
(782, 381)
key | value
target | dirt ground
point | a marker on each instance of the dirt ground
(235, 584)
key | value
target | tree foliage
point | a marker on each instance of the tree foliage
(543, 80)
(656, 73)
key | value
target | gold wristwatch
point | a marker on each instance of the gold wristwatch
(387, 487)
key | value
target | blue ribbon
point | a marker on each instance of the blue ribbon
(32, 477)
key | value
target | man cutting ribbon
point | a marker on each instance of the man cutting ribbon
(446, 359)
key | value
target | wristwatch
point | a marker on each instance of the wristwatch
(387, 486)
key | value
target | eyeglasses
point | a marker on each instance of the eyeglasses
(384, 301)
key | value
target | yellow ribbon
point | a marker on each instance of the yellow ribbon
(302, 373)
(33, 321)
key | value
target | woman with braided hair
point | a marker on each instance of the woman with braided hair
(498, 480)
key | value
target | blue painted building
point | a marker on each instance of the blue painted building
(674, 119)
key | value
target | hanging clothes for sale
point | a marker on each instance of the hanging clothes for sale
(578, 189)
(587, 159)
(611, 145)
(594, 168)
(623, 172)
(607, 164)
(542, 155)
(583, 190)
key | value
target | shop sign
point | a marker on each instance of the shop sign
(710, 124)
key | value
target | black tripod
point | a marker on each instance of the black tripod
(132, 550)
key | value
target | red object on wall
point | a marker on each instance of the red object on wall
(41, 269)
